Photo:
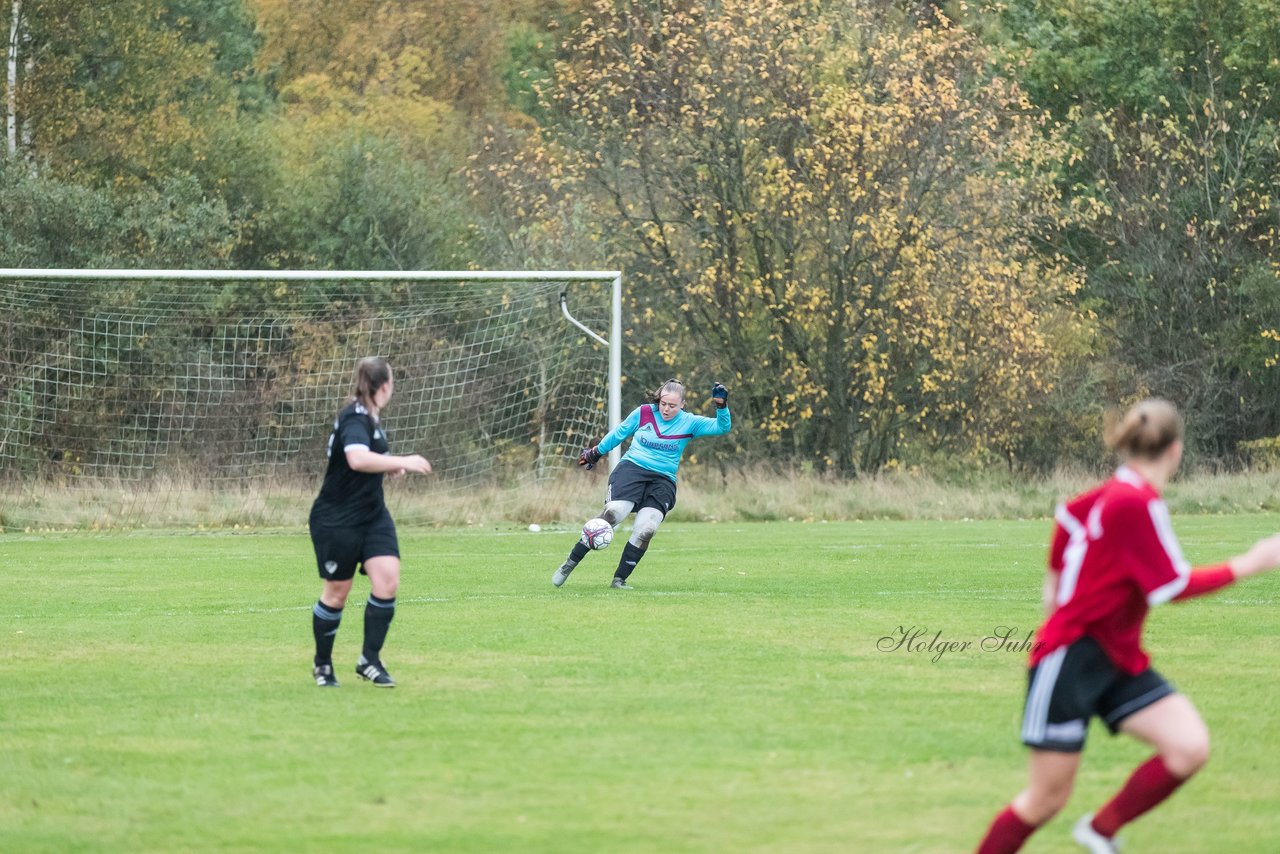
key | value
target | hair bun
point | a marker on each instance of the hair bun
(1147, 429)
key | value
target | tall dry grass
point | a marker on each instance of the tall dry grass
(744, 495)
(994, 494)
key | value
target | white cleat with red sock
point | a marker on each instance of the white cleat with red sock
(1090, 839)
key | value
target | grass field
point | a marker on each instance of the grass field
(155, 695)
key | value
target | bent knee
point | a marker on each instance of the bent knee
(647, 522)
(1187, 756)
(1037, 806)
(615, 511)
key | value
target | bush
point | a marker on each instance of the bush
(1262, 454)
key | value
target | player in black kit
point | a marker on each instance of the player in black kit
(350, 525)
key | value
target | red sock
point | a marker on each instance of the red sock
(1150, 784)
(1006, 834)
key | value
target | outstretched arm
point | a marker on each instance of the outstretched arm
(722, 423)
(621, 433)
(592, 453)
(1263, 557)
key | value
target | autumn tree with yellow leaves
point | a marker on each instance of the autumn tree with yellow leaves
(835, 209)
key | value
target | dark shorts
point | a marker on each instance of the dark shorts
(1076, 682)
(643, 488)
(340, 550)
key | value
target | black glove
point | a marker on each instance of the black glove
(720, 395)
(589, 457)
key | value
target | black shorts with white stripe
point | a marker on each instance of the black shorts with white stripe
(1072, 684)
(339, 550)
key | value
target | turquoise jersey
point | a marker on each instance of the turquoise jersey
(658, 445)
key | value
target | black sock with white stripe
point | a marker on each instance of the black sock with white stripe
(630, 557)
(324, 625)
(378, 614)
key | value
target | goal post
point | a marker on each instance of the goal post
(189, 398)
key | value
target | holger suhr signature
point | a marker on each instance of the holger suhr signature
(920, 640)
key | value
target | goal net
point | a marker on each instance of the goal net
(187, 400)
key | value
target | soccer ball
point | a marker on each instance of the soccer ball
(597, 533)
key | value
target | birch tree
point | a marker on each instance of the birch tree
(16, 31)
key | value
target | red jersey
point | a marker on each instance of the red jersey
(1116, 556)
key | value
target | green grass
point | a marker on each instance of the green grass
(155, 695)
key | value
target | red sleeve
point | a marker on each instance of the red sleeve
(1156, 561)
(1057, 546)
(1206, 580)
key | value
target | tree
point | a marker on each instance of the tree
(47, 222)
(834, 203)
(15, 55)
(454, 51)
(121, 92)
(1172, 107)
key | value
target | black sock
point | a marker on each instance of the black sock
(324, 625)
(580, 550)
(378, 614)
(627, 563)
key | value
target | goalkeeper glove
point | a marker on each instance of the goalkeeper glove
(720, 395)
(589, 457)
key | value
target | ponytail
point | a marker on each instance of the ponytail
(1146, 430)
(372, 373)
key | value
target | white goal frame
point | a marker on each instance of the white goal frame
(613, 277)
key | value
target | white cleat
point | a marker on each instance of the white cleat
(561, 575)
(1090, 839)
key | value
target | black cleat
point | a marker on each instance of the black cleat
(324, 676)
(373, 671)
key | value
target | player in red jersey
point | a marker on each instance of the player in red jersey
(1113, 556)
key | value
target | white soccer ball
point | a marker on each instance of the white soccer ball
(534, 527)
(597, 533)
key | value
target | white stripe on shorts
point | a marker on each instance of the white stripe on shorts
(1036, 717)
(1139, 702)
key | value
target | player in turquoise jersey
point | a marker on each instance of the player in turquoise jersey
(645, 479)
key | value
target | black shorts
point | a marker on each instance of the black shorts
(340, 550)
(643, 488)
(1076, 682)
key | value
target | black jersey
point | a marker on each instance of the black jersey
(350, 497)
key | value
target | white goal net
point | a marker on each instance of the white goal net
(154, 399)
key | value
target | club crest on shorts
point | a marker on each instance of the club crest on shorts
(331, 566)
